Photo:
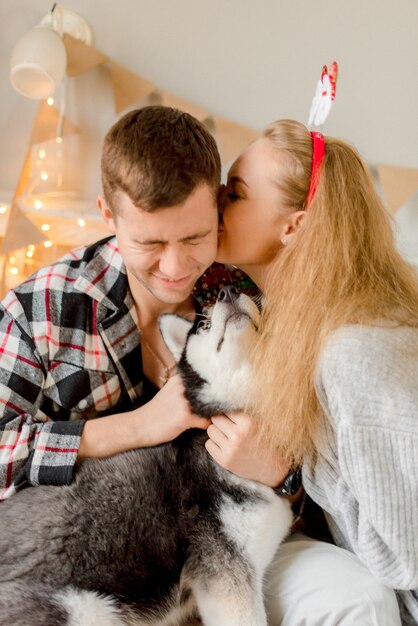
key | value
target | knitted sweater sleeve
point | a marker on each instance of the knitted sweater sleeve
(369, 382)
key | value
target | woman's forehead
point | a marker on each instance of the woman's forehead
(258, 162)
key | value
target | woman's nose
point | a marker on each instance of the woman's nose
(221, 198)
(174, 264)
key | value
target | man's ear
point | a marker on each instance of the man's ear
(107, 214)
(292, 225)
(174, 330)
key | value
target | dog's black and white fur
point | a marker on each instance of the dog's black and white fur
(158, 535)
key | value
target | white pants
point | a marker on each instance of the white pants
(312, 583)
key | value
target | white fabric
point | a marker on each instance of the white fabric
(312, 583)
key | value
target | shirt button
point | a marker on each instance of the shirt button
(82, 404)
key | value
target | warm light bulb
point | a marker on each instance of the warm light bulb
(38, 204)
(45, 227)
(44, 175)
(81, 222)
(58, 139)
(14, 270)
(3, 209)
(12, 260)
(50, 101)
(29, 254)
(42, 153)
(31, 247)
(48, 244)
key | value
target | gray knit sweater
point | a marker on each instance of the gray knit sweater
(366, 473)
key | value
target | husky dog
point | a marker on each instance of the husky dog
(154, 536)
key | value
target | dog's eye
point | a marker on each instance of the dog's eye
(204, 325)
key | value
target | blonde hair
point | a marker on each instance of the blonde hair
(341, 267)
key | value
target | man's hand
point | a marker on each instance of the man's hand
(161, 419)
(235, 444)
(167, 415)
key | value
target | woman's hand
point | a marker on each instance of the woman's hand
(235, 444)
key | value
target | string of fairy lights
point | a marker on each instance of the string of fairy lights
(46, 171)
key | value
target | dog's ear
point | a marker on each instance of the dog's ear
(174, 330)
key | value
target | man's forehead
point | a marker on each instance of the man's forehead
(202, 192)
(169, 225)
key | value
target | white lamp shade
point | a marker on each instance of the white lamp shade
(38, 63)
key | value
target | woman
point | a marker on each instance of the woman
(336, 373)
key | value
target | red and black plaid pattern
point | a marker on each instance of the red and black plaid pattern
(70, 351)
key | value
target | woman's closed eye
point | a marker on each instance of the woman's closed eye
(233, 196)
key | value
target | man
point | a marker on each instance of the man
(79, 339)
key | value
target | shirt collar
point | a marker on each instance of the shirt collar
(104, 277)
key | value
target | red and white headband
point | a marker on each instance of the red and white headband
(320, 108)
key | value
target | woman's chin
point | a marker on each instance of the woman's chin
(226, 256)
(223, 258)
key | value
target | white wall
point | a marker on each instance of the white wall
(251, 61)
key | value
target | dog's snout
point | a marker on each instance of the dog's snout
(228, 294)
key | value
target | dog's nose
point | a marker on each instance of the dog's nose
(228, 294)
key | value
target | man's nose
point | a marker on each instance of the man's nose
(174, 263)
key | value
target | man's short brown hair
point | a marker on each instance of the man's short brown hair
(158, 156)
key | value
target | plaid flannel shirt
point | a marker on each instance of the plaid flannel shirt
(70, 351)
